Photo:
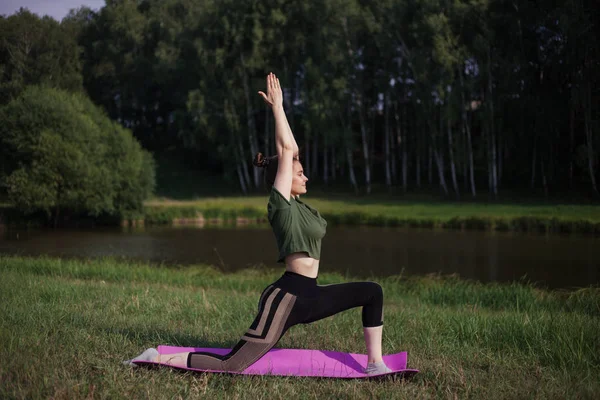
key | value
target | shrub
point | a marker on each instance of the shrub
(64, 155)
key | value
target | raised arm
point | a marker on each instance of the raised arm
(285, 142)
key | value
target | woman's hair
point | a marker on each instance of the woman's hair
(270, 165)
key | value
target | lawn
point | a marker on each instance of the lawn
(67, 324)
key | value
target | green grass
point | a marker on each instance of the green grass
(66, 325)
(541, 217)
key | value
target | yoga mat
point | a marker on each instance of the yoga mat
(296, 362)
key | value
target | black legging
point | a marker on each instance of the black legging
(293, 299)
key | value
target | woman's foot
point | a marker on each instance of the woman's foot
(148, 355)
(377, 368)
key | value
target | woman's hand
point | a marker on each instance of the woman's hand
(274, 96)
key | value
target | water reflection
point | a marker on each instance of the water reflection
(553, 261)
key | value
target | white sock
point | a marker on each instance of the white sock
(377, 368)
(148, 355)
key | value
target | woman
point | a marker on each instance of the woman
(295, 298)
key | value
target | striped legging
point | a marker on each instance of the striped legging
(293, 299)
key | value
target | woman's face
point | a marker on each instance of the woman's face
(298, 180)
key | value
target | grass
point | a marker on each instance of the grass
(545, 218)
(67, 324)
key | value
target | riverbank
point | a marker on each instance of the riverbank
(542, 218)
(66, 325)
(534, 218)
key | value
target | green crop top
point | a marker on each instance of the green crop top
(297, 226)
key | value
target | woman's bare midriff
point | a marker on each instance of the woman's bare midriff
(301, 263)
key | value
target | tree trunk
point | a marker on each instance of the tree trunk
(587, 111)
(465, 164)
(238, 148)
(365, 146)
(533, 159)
(571, 140)
(333, 164)
(386, 142)
(292, 83)
(393, 142)
(371, 141)
(439, 160)
(404, 136)
(325, 162)
(306, 161)
(544, 182)
(494, 164)
(500, 158)
(399, 142)
(451, 153)
(241, 167)
(244, 165)
(489, 160)
(250, 120)
(419, 152)
(348, 127)
(351, 168)
(485, 133)
(315, 156)
(348, 149)
(467, 130)
(430, 164)
(437, 155)
(418, 165)
(494, 173)
(241, 177)
(267, 131)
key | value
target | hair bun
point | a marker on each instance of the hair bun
(260, 160)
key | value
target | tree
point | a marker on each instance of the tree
(64, 156)
(472, 90)
(34, 51)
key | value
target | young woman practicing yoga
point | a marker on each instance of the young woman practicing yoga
(295, 298)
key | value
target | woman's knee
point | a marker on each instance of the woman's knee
(372, 315)
(375, 290)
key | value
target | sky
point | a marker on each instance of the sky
(57, 9)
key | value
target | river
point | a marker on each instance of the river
(551, 261)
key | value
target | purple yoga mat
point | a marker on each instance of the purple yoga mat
(313, 363)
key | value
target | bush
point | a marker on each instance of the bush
(63, 155)
(133, 171)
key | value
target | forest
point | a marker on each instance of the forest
(474, 97)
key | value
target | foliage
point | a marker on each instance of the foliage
(36, 51)
(483, 93)
(62, 154)
(408, 81)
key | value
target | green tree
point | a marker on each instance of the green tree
(472, 90)
(34, 51)
(64, 156)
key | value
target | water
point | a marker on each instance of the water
(550, 261)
